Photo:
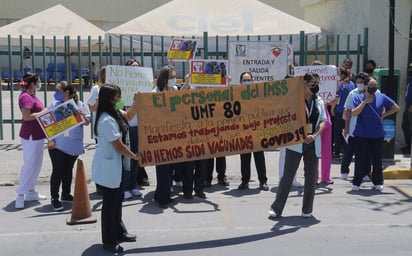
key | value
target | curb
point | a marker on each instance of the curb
(397, 173)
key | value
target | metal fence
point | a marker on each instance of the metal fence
(77, 63)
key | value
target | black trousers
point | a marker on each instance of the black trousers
(62, 172)
(260, 164)
(310, 168)
(113, 227)
(220, 168)
(164, 183)
(406, 126)
(200, 174)
(186, 171)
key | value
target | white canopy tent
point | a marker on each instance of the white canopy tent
(232, 18)
(56, 21)
(217, 17)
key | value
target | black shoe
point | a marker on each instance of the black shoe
(406, 148)
(163, 205)
(208, 183)
(56, 205)
(223, 182)
(144, 183)
(406, 151)
(200, 194)
(264, 186)
(188, 196)
(336, 156)
(115, 248)
(128, 238)
(67, 198)
(243, 186)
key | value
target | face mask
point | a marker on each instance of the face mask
(119, 104)
(372, 90)
(38, 87)
(361, 86)
(58, 96)
(314, 89)
(246, 82)
(171, 82)
(369, 70)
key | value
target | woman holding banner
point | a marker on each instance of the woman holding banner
(165, 82)
(246, 78)
(130, 178)
(310, 150)
(65, 148)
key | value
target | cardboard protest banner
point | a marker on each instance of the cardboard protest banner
(212, 122)
(208, 73)
(182, 49)
(59, 119)
(328, 79)
(266, 61)
(130, 79)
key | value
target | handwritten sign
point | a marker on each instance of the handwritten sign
(212, 122)
(59, 119)
(208, 73)
(130, 79)
(266, 61)
(182, 49)
(328, 79)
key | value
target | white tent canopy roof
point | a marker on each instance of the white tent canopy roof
(56, 21)
(217, 17)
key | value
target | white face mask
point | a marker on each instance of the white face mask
(171, 82)
(38, 87)
(361, 86)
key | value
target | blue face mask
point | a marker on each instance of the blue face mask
(246, 82)
(38, 87)
(58, 96)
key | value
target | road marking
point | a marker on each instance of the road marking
(404, 191)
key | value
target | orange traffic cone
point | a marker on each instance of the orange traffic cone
(81, 212)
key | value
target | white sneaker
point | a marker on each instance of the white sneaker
(19, 202)
(297, 184)
(355, 188)
(35, 196)
(366, 178)
(273, 214)
(306, 215)
(178, 184)
(344, 176)
(379, 187)
(127, 195)
(136, 192)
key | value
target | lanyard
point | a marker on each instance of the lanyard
(309, 111)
